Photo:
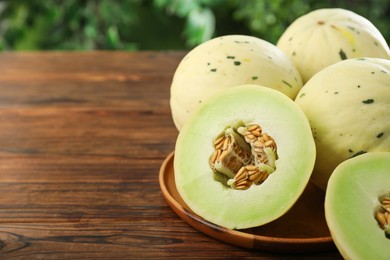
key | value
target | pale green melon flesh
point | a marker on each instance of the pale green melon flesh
(351, 199)
(278, 116)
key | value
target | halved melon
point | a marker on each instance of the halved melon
(355, 195)
(244, 158)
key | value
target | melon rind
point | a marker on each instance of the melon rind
(279, 117)
(228, 61)
(351, 199)
(325, 36)
(348, 107)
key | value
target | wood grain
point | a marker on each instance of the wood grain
(82, 138)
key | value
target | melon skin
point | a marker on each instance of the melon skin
(282, 119)
(348, 107)
(225, 62)
(350, 201)
(325, 36)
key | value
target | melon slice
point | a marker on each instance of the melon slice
(244, 158)
(356, 193)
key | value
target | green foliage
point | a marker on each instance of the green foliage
(86, 25)
(268, 19)
(157, 24)
(198, 15)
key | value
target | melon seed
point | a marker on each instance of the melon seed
(246, 155)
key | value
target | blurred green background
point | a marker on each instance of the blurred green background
(157, 24)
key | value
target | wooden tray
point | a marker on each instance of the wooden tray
(302, 229)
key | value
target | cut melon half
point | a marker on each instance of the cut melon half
(244, 158)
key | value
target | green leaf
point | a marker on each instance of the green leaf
(200, 26)
(113, 37)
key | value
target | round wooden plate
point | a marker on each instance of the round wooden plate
(302, 229)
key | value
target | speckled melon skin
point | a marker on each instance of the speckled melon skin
(326, 36)
(351, 199)
(279, 117)
(348, 107)
(226, 62)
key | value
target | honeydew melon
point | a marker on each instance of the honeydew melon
(348, 107)
(353, 198)
(210, 191)
(225, 62)
(325, 36)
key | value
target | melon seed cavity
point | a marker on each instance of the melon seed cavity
(243, 156)
(382, 215)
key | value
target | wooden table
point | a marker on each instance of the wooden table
(82, 138)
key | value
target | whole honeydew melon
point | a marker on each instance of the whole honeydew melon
(250, 131)
(357, 207)
(225, 62)
(348, 107)
(326, 36)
